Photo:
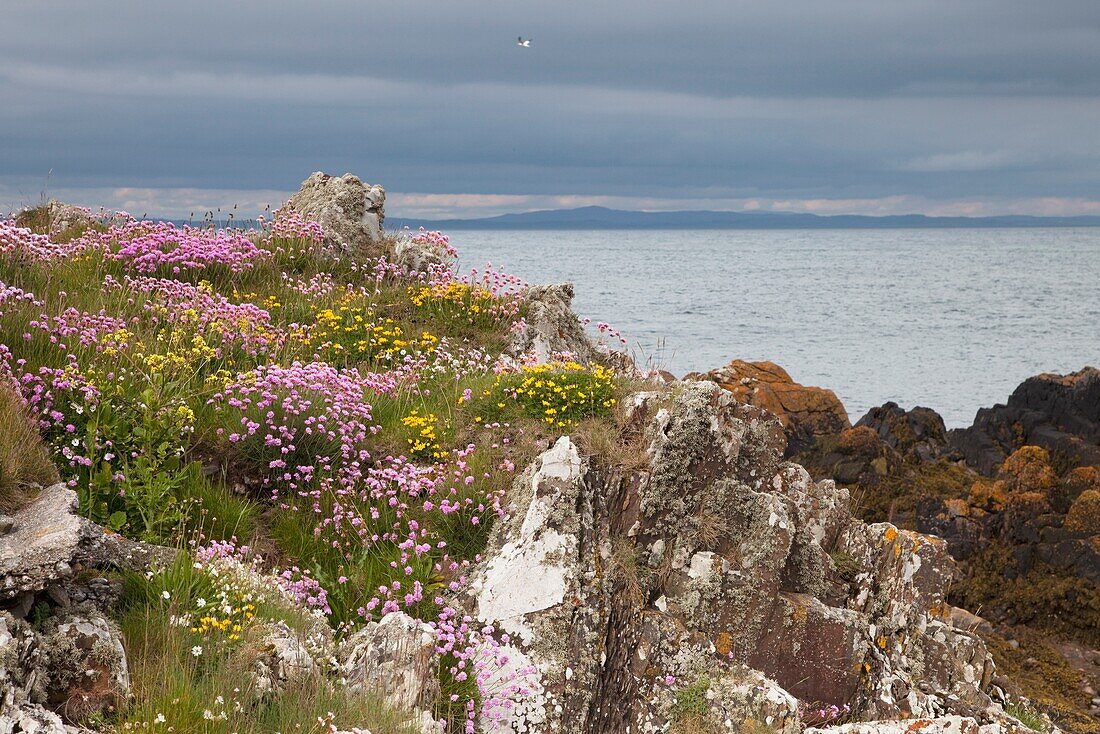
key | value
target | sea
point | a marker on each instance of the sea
(951, 319)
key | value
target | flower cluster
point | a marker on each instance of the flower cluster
(306, 424)
(822, 714)
(22, 245)
(562, 393)
(355, 333)
(151, 247)
(436, 239)
(423, 441)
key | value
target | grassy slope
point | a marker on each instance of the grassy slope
(154, 458)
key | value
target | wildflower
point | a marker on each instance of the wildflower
(196, 651)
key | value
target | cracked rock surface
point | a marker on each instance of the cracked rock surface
(720, 582)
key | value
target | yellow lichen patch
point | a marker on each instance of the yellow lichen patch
(1028, 470)
(1084, 513)
(987, 495)
(723, 643)
(891, 534)
(799, 614)
(940, 610)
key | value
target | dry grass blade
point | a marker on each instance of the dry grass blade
(24, 461)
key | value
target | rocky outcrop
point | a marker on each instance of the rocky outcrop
(45, 540)
(629, 597)
(280, 657)
(394, 658)
(550, 329)
(73, 668)
(918, 433)
(42, 541)
(804, 412)
(414, 255)
(351, 212)
(1060, 413)
(944, 725)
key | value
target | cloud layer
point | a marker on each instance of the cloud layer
(852, 105)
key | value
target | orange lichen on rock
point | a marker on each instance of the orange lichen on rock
(1084, 513)
(987, 495)
(804, 411)
(1028, 469)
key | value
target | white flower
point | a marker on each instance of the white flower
(159, 719)
(165, 594)
(196, 650)
(200, 602)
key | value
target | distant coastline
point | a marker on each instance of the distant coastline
(597, 217)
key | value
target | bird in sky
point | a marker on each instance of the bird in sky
(523, 42)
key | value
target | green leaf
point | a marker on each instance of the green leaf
(117, 520)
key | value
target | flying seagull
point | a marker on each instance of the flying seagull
(523, 42)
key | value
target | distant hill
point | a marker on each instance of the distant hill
(598, 217)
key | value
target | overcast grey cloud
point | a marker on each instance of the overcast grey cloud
(846, 105)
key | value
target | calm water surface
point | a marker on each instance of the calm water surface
(950, 319)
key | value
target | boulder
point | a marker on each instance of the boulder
(918, 434)
(617, 594)
(1060, 413)
(550, 330)
(805, 412)
(83, 666)
(46, 540)
(67, 218)
(281, 656)
(39, 548)
(395, 658)
(351, 212)
(415, 255)
(75, 667)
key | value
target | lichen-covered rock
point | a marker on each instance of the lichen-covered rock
(804, 411)
(281, 656)
(550, 328)
(18, 655)
(83, 666)
(67, 218)
(939, 725)
(32, 719)
(395, 658)
(621, 590)
(739, 700)
(44, 538)
(351, 212)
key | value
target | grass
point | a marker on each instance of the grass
(25, 463)
(690, 713)
(213, 692)
(1027, 716)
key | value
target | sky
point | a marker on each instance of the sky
(839, 106)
